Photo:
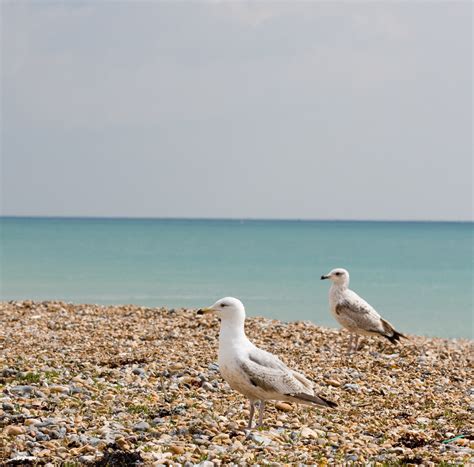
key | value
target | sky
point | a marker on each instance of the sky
(290, 110)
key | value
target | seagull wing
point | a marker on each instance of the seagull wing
(270, 374)
(266, 359)
(359, 314)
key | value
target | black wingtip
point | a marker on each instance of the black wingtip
(315, 399)
(395, 337)
(329, 403)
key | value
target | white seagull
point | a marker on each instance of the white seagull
(354, 313)
(255, 373)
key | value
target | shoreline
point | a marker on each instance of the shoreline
(111, 304)
(86, 383)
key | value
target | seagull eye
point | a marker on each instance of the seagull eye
(338, 273)
(223, 305)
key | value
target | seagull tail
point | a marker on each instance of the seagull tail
(319, 400)
(391, 334)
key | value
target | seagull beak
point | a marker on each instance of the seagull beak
(205, 311)
(324, 277)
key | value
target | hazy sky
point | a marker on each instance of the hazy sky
(219, 109)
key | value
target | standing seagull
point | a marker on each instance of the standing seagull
(354, 313)
(257, 374)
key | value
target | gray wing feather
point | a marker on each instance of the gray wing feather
(270, 379)
(284, 383)
(268, 360)
(304, 381)
(359, 314)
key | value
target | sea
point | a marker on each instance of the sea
(418, 275)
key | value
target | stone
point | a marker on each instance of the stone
(332, 382)
(175, 449)
(22, 459)
(206, 464)
(283, 406)
(141, 426)
(8, 407)
(260, 439)
(423, 420)
(14, 430)
(7, 372)
(25, 389)
(93, 441)
(307, 432)
(351, 387)
(32, 421)
(47, 422)
(220, 437)
(58, 389)
(122, 444)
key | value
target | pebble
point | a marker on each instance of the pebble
(13, 430)
(283, 406)
(47, 422)
(423, 420)
(93, 441)
(141, 426)
(206, 464)
(32, 421)
(177, 449)
(208, 386)
(22, 389)
(122, 444)
(8, 407)
(351, 387)
(260, 439)
(22, 459)
(332, 382)
(307, 432)
(58, 389)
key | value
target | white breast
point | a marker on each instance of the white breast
(232, 372)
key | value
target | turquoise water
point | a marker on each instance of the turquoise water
(418, 275)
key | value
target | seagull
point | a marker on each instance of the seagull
(354, 313)
(255, 373)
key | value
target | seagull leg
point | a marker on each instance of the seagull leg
(349, 347)
(356, 343)
(261, 409)
(252, 410)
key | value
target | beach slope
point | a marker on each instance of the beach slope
(110, 384)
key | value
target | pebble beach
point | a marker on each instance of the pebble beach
(128, 385)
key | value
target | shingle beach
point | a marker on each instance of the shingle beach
(125, 385)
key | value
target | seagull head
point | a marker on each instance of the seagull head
(227, 309)
(338, 276)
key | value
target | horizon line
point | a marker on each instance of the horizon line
(235, 219)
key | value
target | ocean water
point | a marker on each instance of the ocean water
(417, 275)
